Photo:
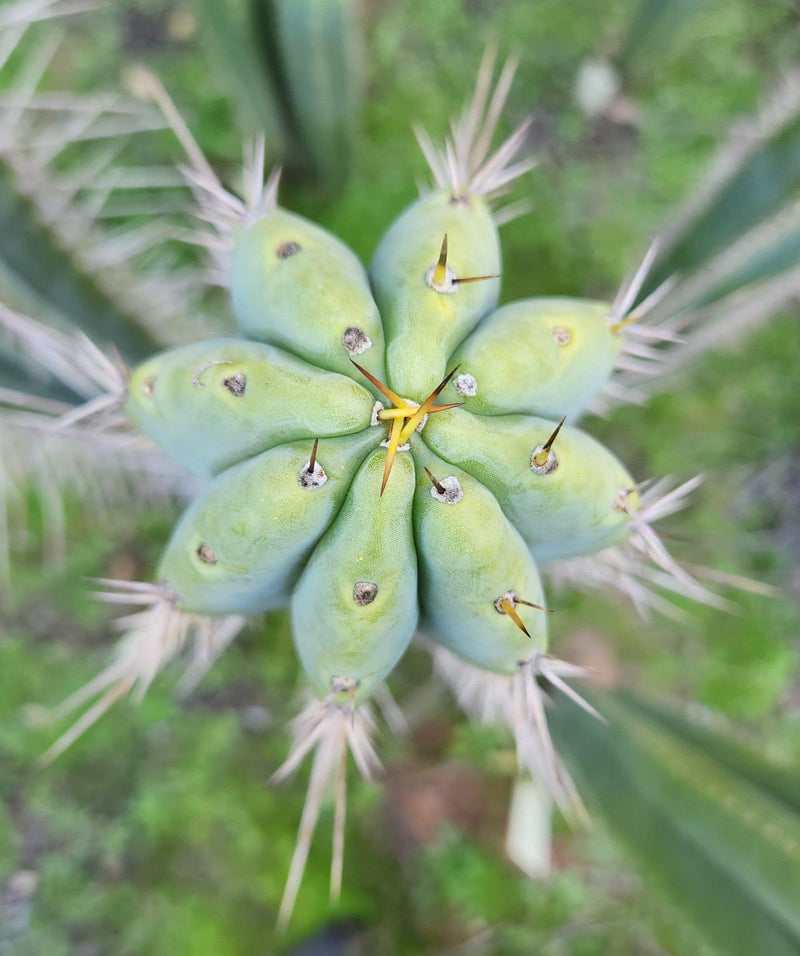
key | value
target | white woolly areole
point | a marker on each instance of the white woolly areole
(550, 464)
(452, 491)
(466, 384)
(448, 287)
(385, 444)
(311, 479)
(355, 341)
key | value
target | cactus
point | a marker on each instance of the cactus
(383, 450)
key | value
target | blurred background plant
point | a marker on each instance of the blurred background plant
(157, 833)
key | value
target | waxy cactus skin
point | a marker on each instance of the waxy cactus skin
(548, 357)
(470, 556)
(212, 404)
(341, 630)
(240, 545)
(297, 286)
(423, 325)
(571, 510)
(345, 482)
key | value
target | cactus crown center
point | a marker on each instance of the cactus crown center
(406, 416)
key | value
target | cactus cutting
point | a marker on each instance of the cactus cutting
(389, 449)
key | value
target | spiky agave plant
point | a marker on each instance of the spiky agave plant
(384, 451)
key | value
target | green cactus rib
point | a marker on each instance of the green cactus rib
(282, 273)
(423, 325)
(720, 846)
(548, 357)
(49, 273)
(214, 403)
(574, 509)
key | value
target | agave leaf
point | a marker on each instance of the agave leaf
(769, 260)
(707, 731)
(720, 845)
(225, 31)
(51, 275)
(314, 52)
(653, 25)
(760, 177)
